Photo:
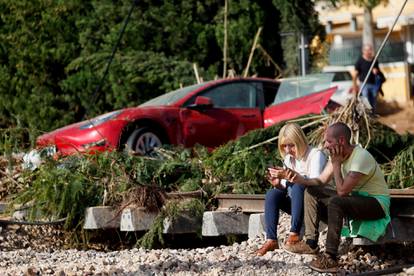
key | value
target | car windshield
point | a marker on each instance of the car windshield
(171, 97)
(293, 88)
(342, 76)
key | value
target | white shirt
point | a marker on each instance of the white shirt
(310, 166)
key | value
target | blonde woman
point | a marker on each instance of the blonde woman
(309, 162)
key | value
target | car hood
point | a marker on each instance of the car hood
(123, 116)
(49, 138)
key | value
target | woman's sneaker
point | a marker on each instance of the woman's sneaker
(300, 247)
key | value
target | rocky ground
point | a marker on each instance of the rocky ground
(35, 250)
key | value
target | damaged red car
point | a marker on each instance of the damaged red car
(210, 114)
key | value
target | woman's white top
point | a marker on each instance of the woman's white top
(310, 166)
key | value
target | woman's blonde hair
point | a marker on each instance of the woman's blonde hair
(292, 134)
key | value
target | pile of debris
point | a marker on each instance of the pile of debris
(11, 180)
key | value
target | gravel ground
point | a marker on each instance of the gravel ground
(38, 251)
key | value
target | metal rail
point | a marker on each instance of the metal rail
(255, 203)
(4, 221)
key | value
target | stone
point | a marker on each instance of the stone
(20, 215)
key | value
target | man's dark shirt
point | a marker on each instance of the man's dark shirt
(362, 66)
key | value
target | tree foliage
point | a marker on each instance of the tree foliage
(53, 53)
(298, 17)
(38, 38)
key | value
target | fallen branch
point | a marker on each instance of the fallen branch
(196, 73)
(256, 38)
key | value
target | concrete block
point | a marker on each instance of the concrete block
(137, 219)
(217, 223)
(183, 224)
(101, 217)
(256, 226)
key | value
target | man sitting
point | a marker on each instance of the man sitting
(361, 195)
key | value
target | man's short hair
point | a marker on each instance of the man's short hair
(340, 129)
(367, 45)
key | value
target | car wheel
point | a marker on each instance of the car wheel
(143, 141)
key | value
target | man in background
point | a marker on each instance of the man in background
(362, 66)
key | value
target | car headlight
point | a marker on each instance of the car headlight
(100, 119)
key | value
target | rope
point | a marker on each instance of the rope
(121, 33)
(99, 86)
(16, 222)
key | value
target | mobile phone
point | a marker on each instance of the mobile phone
(275, 168)
(273, 171)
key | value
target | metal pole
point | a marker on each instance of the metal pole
(225, 40)
(302, 54)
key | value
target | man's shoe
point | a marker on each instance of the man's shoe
(301, 247)
(324, 263)
(269, 245)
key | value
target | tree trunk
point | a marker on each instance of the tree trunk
(368, 28)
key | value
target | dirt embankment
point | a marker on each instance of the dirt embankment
(401, 119)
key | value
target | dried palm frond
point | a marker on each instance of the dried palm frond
(355, 115)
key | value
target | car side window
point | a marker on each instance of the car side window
(233, 95)
(270, 91)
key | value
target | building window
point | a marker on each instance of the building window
(353, 24)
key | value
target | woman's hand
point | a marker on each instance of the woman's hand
(277, 172)
(286, 173)
(293, 176)
(274, 181)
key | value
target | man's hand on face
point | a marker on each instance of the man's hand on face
(336, 152)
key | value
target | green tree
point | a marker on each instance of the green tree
(53, 53)
(38, 39)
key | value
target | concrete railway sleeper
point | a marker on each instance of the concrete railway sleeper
(243, 214)
(236, 214)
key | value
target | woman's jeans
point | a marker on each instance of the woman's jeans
(289, 200)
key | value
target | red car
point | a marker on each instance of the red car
(210, 114)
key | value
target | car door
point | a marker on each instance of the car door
(234, 112)
(294, 105)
